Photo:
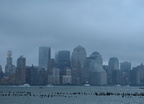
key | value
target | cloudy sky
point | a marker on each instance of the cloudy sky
(114, 28)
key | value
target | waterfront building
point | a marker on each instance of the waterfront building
(113, 72)
(32, 77)
(125, 68)
(1, 72)
(63, 59)
(44, 56)
(77, 61)
(137, 75)
(51, 65)
(55, 77)
(93, 70)
(10, 69)
(20, 70)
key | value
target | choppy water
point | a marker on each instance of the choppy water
(71, 95)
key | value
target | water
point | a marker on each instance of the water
(71, 95)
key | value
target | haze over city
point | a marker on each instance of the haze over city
(113, 28)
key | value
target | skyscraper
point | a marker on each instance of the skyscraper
(63, 59)
(1, 72)
(113, 72)
(98, 75)
(44, 56)
(20, 70)
(78, 55)
(93, 69)
(9, 68)
(125, 68)
(77, 60)
(113, 63)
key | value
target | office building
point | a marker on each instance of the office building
(44, 56)
(77, 60)
(20, 70)
(125, 68)
(9, 68)
(113, 72)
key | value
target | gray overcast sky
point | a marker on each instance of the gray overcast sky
(114, 28)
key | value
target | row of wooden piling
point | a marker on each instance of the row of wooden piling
(68, 94)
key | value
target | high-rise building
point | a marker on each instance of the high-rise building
(77, 60)
(20, 70)
(1, 72)
(137, 75)
(113, 72)
(44, 56)
(125, 68)
(78, 55)
(51, 65)
(32, 76)
(113, 63)
(63, 59)
(98, 75)
(9, 68)
(94, 70)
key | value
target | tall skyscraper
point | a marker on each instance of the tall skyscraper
(98, 75)
(137, 75)
(1, 72)
(113, 72)
(51, 65)
(44, 56)
(9, 68)
(63, 59)
(125, 68)
(93, 69)
(77, 60)
(20, 71)
(78, 55)
(113, 63)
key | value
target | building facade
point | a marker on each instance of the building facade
(44, 56)
(10, 69)
(77, 61)
(20, 70)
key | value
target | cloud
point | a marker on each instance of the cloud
(114, 28)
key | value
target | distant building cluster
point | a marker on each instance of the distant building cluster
(71, 69)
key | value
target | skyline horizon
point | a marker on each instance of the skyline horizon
(105, 62)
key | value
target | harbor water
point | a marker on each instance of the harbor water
(71, 95)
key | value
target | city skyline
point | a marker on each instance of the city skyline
(113, 28)
(14, 62)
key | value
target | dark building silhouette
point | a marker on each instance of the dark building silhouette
(20, 70)
(1, 72)
(63, 60)
(32, 77)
